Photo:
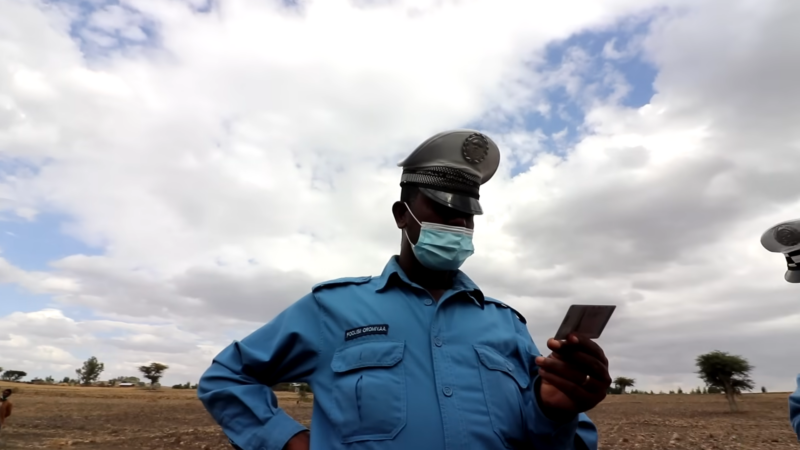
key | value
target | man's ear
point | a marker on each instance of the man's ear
(399, 211)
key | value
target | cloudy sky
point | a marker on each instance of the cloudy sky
(173, 173)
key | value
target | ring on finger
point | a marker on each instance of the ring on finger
(586, 380)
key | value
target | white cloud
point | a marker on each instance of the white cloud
(47, 342)
(237, 157)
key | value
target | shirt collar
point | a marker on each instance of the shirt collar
(392, 271)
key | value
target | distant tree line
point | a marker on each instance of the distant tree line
(722, 373)
(90, 372)
(616, 390)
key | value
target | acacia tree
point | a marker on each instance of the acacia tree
(622, 382)
(153, 372)
(723, 372)
(14, 375)
(90, 372)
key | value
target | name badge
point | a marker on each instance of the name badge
(366, 331)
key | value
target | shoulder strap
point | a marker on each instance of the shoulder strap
(340, 282)
(503, 305)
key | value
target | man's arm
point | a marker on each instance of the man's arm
(574, 433)
(235, 389)
(5, 411)
(794, 409)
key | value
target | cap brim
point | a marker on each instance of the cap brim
(458, 202)
(770, 242)
(792, 276)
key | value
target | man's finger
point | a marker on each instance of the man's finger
(583, 362)
(594, 383)
(592, 346)
(570, 389)
(586, 364)
(562, 369)
(576, 342)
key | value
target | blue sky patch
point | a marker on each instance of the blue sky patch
(15, 299)
(33, 245)
(599, 59)
(103, 27)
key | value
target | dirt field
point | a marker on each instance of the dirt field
(126, 419)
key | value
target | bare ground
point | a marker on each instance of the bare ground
(128, 419)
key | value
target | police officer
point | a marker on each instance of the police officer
(785, 238)
(417, 357)
(6, 406)
(794, 409)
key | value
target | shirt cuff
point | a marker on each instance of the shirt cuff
(275, 434)
(796, 426)
(544, 426)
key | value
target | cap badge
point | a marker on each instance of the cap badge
(475, 148)
(787, 235)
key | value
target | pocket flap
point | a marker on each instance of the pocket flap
(493, 360)
(368, 354)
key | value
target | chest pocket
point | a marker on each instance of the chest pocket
(369, 390)
(506, 389)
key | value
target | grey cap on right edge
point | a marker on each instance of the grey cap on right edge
(785, 238)
(450, 167)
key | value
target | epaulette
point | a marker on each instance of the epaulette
(503, 305)
(340, 282)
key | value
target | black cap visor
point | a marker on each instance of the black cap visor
(458, 202)
(792, 276)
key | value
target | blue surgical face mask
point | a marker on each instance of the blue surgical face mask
(441, 247)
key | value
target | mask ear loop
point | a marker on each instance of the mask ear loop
(412, 214)
(438, 225)
(405, 232)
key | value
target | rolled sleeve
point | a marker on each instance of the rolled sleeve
(794, 409)
(577, 434)
(549, 434)
(275, 434)
(235, 389)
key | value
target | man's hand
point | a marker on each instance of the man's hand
(574, 378)
(299, 441)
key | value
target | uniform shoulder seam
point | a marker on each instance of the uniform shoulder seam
(340, 282)
(503, 305)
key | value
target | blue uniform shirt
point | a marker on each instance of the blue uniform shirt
(390, 369)
(794, 409)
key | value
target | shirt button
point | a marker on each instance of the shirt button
(509, 367)
(447, 391)
(437, 341)
(428, 302)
